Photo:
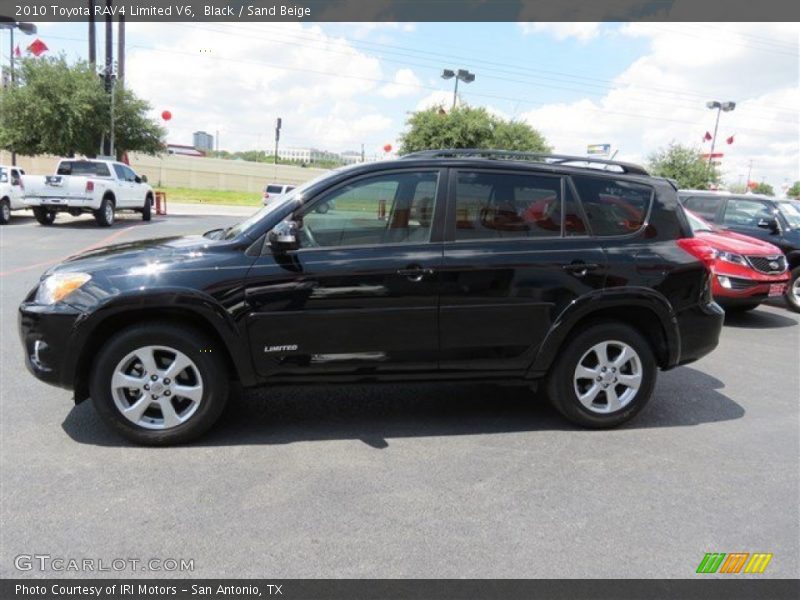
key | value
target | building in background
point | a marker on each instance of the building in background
(307, 155)
(203, 141)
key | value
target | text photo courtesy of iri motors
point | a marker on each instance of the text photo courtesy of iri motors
(438, 301)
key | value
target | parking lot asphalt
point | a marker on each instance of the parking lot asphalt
(433, 480)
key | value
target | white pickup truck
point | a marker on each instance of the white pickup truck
(86, 185)
(10, 192)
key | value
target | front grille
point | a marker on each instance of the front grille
(771, 265)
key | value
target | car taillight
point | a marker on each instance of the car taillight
(90, 186)
(700, 250)
(266, 195)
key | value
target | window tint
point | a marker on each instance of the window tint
(573, 218)
(274, 189)
(83, 168)
(706, 206)
(613, 207)
(120, 171)
(505, 205)
(746, 213)
(130, 175)
(388, 209)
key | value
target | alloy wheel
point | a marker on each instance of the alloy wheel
(157, 387)
(608, 377)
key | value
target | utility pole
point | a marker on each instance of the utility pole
(92, 35)
(108, 73)
(362, 152)
(13, 79)
(121, 50)
(749, 172)
(278, 124)
(460, 75)
(720, 107)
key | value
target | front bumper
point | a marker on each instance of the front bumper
(729, 289)
(46, 333)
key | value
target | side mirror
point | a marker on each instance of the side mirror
(283, 237)
(142, 179)
(770, 223)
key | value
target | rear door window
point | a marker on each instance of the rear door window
(274, 189)
(613, 207)
(704, 206)
(492, 205)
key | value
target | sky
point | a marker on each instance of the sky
(336, 86)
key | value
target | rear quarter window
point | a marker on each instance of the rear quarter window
(274, 189)
(613, 207)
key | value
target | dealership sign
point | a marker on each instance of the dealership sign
(598, 149)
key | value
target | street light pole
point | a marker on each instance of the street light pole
(720, 107)
(461, 75)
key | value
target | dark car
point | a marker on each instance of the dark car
(442, 265)
(763, 217)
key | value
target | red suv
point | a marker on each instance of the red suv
(747, 271)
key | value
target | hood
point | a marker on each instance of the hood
(737, 243)
(165, 251)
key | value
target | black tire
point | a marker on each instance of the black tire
(323, 208)
(740, 308)
(147, 212)
(193, 344)
(793, 291)
(5, 211)
(44, 216)
(561, 383)
(105, 214)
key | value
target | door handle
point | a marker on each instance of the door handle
(580, 269)
(415, 273)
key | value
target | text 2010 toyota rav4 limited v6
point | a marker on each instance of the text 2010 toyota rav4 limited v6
(440, 265)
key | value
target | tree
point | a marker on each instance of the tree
(684, 164)
(794, 191)
(63, 109)
(467, 127)
(764, 188)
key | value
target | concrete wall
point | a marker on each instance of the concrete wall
(190, 172)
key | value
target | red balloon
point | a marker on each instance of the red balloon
(387, 148)
(166, 115)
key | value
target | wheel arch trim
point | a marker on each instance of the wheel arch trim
(595, 303)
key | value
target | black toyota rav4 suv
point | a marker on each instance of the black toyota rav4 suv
(442, 265)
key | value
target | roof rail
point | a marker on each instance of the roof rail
(541, 157)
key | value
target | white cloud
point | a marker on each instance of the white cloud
(239, 79)
(405, 83)
(583, 32)
(661, 98)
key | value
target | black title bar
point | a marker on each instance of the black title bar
(406, 10)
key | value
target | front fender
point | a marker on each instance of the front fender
(134, 305)
(602, 300)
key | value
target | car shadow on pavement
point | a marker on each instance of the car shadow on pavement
(377, 413)
(758, 319)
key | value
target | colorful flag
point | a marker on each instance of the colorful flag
(730, 139)
(707, 137)
(17, 53)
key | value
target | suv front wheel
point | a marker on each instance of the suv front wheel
(793, 290)
(603, 377)
(159, 384)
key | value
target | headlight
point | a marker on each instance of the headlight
(60, 285)
(736, 259)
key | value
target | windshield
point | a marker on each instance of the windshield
(791, 212)
(696, 223)
(253, 220)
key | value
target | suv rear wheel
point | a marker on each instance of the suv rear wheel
(5, 211)
(603, 377)
(159, 384)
